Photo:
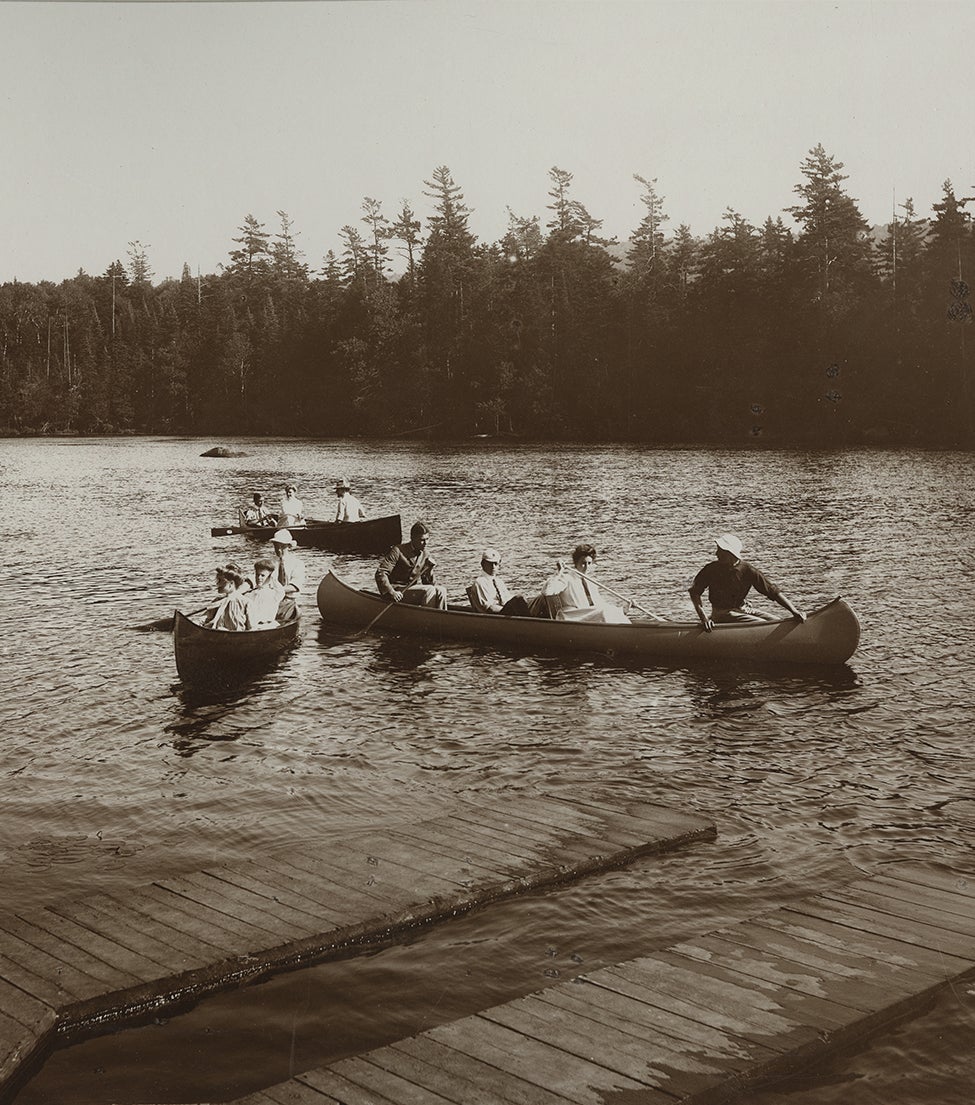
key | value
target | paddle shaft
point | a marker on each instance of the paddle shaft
(605, 587)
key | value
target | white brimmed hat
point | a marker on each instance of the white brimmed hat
(730, 542)
(283, 537)
(491, 556)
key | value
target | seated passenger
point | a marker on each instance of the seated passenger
(261, 604)
(349, 507)
(405, 573)
(291, 512)
(727, 580)
(489, 593)
(572, 596)
(256, 513)
(228, 612)
(289, 572)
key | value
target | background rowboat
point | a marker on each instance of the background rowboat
(214, 656)
(829, 635)
(371, 535)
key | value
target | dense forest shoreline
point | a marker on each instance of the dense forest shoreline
(829, 334)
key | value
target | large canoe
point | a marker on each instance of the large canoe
(221, 656)
(374, 535)
(829, 635)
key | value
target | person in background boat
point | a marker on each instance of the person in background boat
(291, 513)
(256, 513)
(489, 594)
(289, 572)
(571, 596)
(727, 580)
(405, 573)
(229, 610)
(261, 604)
(349, 507)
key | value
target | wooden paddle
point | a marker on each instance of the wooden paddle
(605, 587)
(165, 625)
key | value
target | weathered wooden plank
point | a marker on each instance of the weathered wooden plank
(18, 1042)
(815, 1013)
(366, 873)
(569, 830)
(118, 928)
(883, 948)
(374, 1079)
(885, 924)
(296, 1092)
(45, 989)
(516, 844)
(23, 1010)
(858, 994)
(686, 1037)
(183, 916)
(278, 896)
(406, 848)
(65, 977)
(937, 878)
(106, 949)
(480, 861)
(154, 921)
(951, 901)
(438, 875)
(850, 979)
(546, 1066)
(68, 955)
(239, 904)
(309, 877)
(663, 1070)
(329, 1081)
(657, 819)
(545, 847)
(217, 911)
(637, 978)
(432, 1077)
(468, 1071)
(934, 910)
(253, 904)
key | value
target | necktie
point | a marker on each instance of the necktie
(585, 587)
(497, 591)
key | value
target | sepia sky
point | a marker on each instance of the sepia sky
(169, 122)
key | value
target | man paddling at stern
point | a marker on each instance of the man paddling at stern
(405, 573)
(727, 580)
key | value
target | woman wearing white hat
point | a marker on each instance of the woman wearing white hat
(727, 580)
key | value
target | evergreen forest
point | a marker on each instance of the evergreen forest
(820, 333)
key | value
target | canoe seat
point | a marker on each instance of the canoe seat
(474, 600)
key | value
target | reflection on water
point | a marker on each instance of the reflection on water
(118, 774)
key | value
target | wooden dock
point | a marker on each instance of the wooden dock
(697, 1023)
(116, 957)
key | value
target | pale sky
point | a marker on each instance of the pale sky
(169, 122)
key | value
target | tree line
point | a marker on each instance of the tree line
(828, 333)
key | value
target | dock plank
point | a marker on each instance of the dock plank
(80, 963)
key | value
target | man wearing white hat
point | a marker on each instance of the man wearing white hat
(349, 507)
(489, 593)
(727, 580)
(290, 572)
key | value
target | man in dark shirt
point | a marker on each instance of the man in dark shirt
(727, 581)
(405, 573)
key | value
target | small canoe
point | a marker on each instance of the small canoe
(221, 656)
(373, 535)
(829, 635)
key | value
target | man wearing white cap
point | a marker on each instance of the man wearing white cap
(290, 572)
(489, 593)
(727, 580)
(349, 508)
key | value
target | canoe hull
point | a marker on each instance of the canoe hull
(829, 635)
(222, 656)
(372, 535)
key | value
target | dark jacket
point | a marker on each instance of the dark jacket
(403, 567)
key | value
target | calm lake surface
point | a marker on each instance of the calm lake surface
(114, 774)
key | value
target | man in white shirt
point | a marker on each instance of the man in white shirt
(289, 572)
(349, 507)
(489, 594)
(263, 601)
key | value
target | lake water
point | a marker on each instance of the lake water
(115, 774)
